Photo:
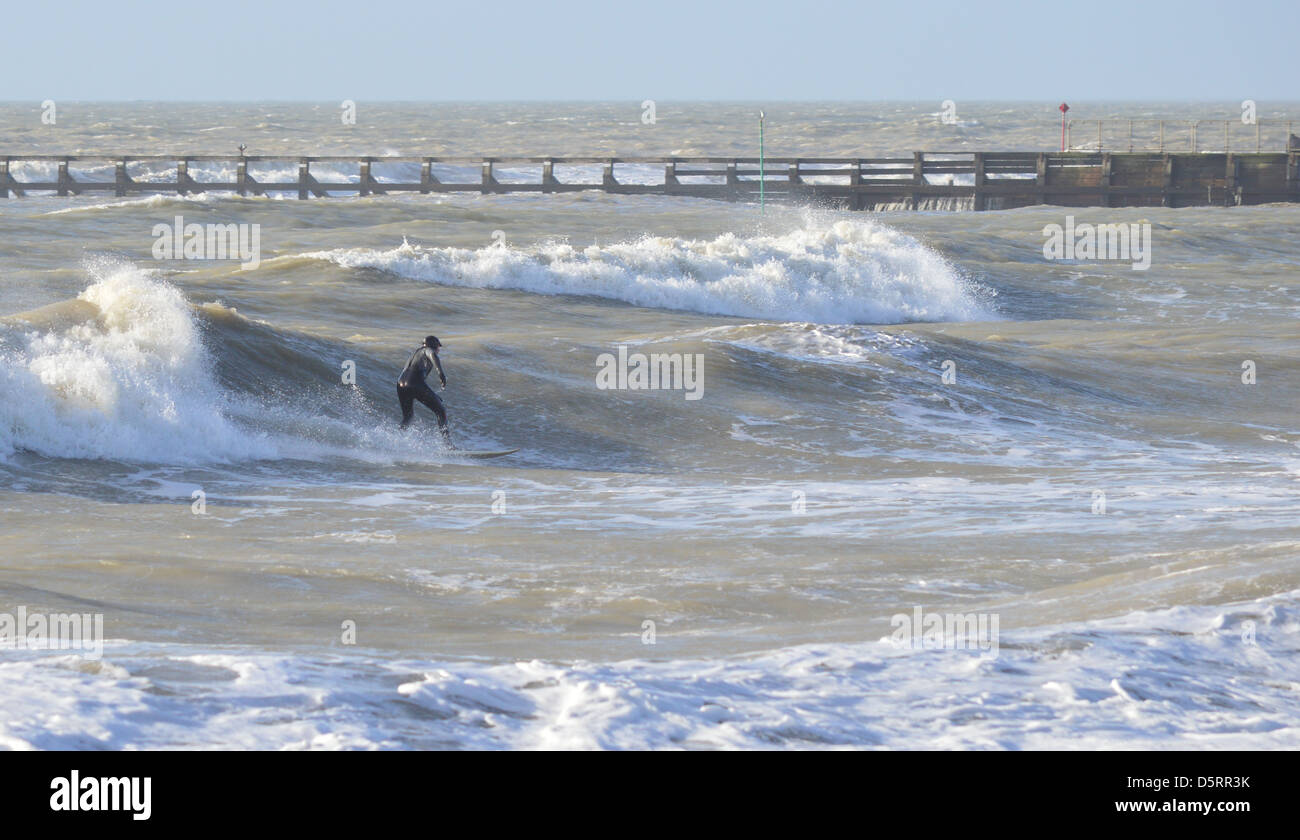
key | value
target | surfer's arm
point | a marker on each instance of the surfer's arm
(442, 377)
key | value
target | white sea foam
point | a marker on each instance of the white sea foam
(845, 271)
(130, 381)
(1185, 678)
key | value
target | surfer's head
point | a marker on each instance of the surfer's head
(432, 342)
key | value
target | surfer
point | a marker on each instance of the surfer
(411, 385)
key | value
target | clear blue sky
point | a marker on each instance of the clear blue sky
(663, 50)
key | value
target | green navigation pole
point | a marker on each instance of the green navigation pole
(762, 172)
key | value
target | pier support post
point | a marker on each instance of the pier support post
(65, 180)
(1230, 195)
(307, 183)
(1292, 172)
(11, 184)
(120, 179)
(607, 176)
(980, 180)
(487, 179)
(427, 178)
(918, 177)
(1167, 182)
(792, 174)
(670, 177)
(855, 183)
(548, 176)
(182, 176)
(732, 179)
(4, 178)
(241, 176)
(1040, 178)
(363, 180)
(1104, 183)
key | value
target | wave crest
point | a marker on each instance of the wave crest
(122, 373)
(844, 272)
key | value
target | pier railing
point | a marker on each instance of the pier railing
(1120, 135)
(924, 180)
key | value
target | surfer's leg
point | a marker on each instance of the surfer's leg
(426, 395)
(407, 399)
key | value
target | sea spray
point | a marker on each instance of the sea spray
(131, 381)
(830, 273)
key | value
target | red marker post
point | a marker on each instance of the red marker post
(1064, 108)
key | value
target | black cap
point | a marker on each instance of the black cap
(432, 342)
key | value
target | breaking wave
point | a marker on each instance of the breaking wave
(844, 272)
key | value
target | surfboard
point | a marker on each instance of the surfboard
(469, 453)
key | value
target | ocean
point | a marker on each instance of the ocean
(887, 418)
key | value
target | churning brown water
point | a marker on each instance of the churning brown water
(889, 411)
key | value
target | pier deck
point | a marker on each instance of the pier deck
(925, 180)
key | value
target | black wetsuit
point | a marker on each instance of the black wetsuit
(411, 387)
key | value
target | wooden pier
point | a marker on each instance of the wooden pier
(925, 180)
